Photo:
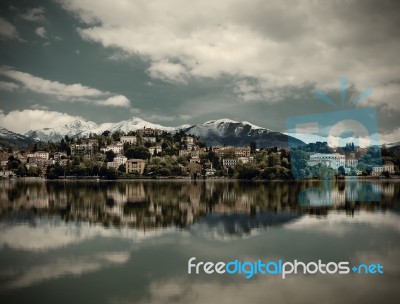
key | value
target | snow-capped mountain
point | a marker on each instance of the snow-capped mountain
(213, 132)
(75, 128)
(230, 132)
(126, 126)
(8, 138)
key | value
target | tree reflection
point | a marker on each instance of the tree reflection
(160, 204)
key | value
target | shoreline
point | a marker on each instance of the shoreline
(181, 179)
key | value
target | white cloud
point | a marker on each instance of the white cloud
(116, 101)
(41, 32)
(167, 71)
(278, 43)
(7, 30)
(25, 120)
(33, 14)
(8, 86)
(66, 92)
(39, 107)
(390, 137)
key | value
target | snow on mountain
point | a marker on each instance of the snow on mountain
(213, 132)
(8, 138)
(230, 132)
(126, 126)
(75, 128)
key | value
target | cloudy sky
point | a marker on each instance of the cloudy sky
(177, 62)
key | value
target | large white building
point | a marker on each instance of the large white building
(155, 150)
(116, 148)
(118, 161)
(128, 139)
(378, 170)
(135, 165)
(332, 160)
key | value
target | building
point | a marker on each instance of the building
(229, 150)
(184, 152)
(6, 174)
(150, 139)
(242, 151)
(351, 162)
(332, 160)
(117, 148)
(188, 141)
(60, 155)
(155, 150)
(192, 167)
(229, 162)
(118, 161)
(194, 159)
(4, 161)
(149, 132)
(128, 139)
(41, 154)
(86, 148)
(378, 170)
(135, 166)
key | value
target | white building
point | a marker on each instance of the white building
(116, 148)
(128, 139)
(6, 173)
(118, 161)
(378, 170)
(41, 154)
(351, 162)
(155, 150)
(332, 160)
(150, 139)
(229, 162)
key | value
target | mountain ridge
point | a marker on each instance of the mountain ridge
(223, 131)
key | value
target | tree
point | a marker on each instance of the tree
(341, 170)
(137, 152)
(252, 147)
(110, 155)
(111, 173)
(116, 136)
(21, 171)
(122, 168)
(247, 171)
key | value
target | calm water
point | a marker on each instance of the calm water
(129, 242)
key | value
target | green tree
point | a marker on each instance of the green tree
(137, 152)
(253, 147)
(122, 168)
(110, 155)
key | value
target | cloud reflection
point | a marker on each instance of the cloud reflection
(338, 224)
(47, 234)
(63, 267)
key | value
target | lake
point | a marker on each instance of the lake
(130, 241)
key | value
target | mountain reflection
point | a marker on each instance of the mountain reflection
(228, 207)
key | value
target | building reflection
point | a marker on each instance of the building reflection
(157, 204)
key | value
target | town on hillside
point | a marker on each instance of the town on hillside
(153, 153)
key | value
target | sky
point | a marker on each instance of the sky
(186, 62)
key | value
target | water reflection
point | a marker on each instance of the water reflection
(130, 241)
(155, 205)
